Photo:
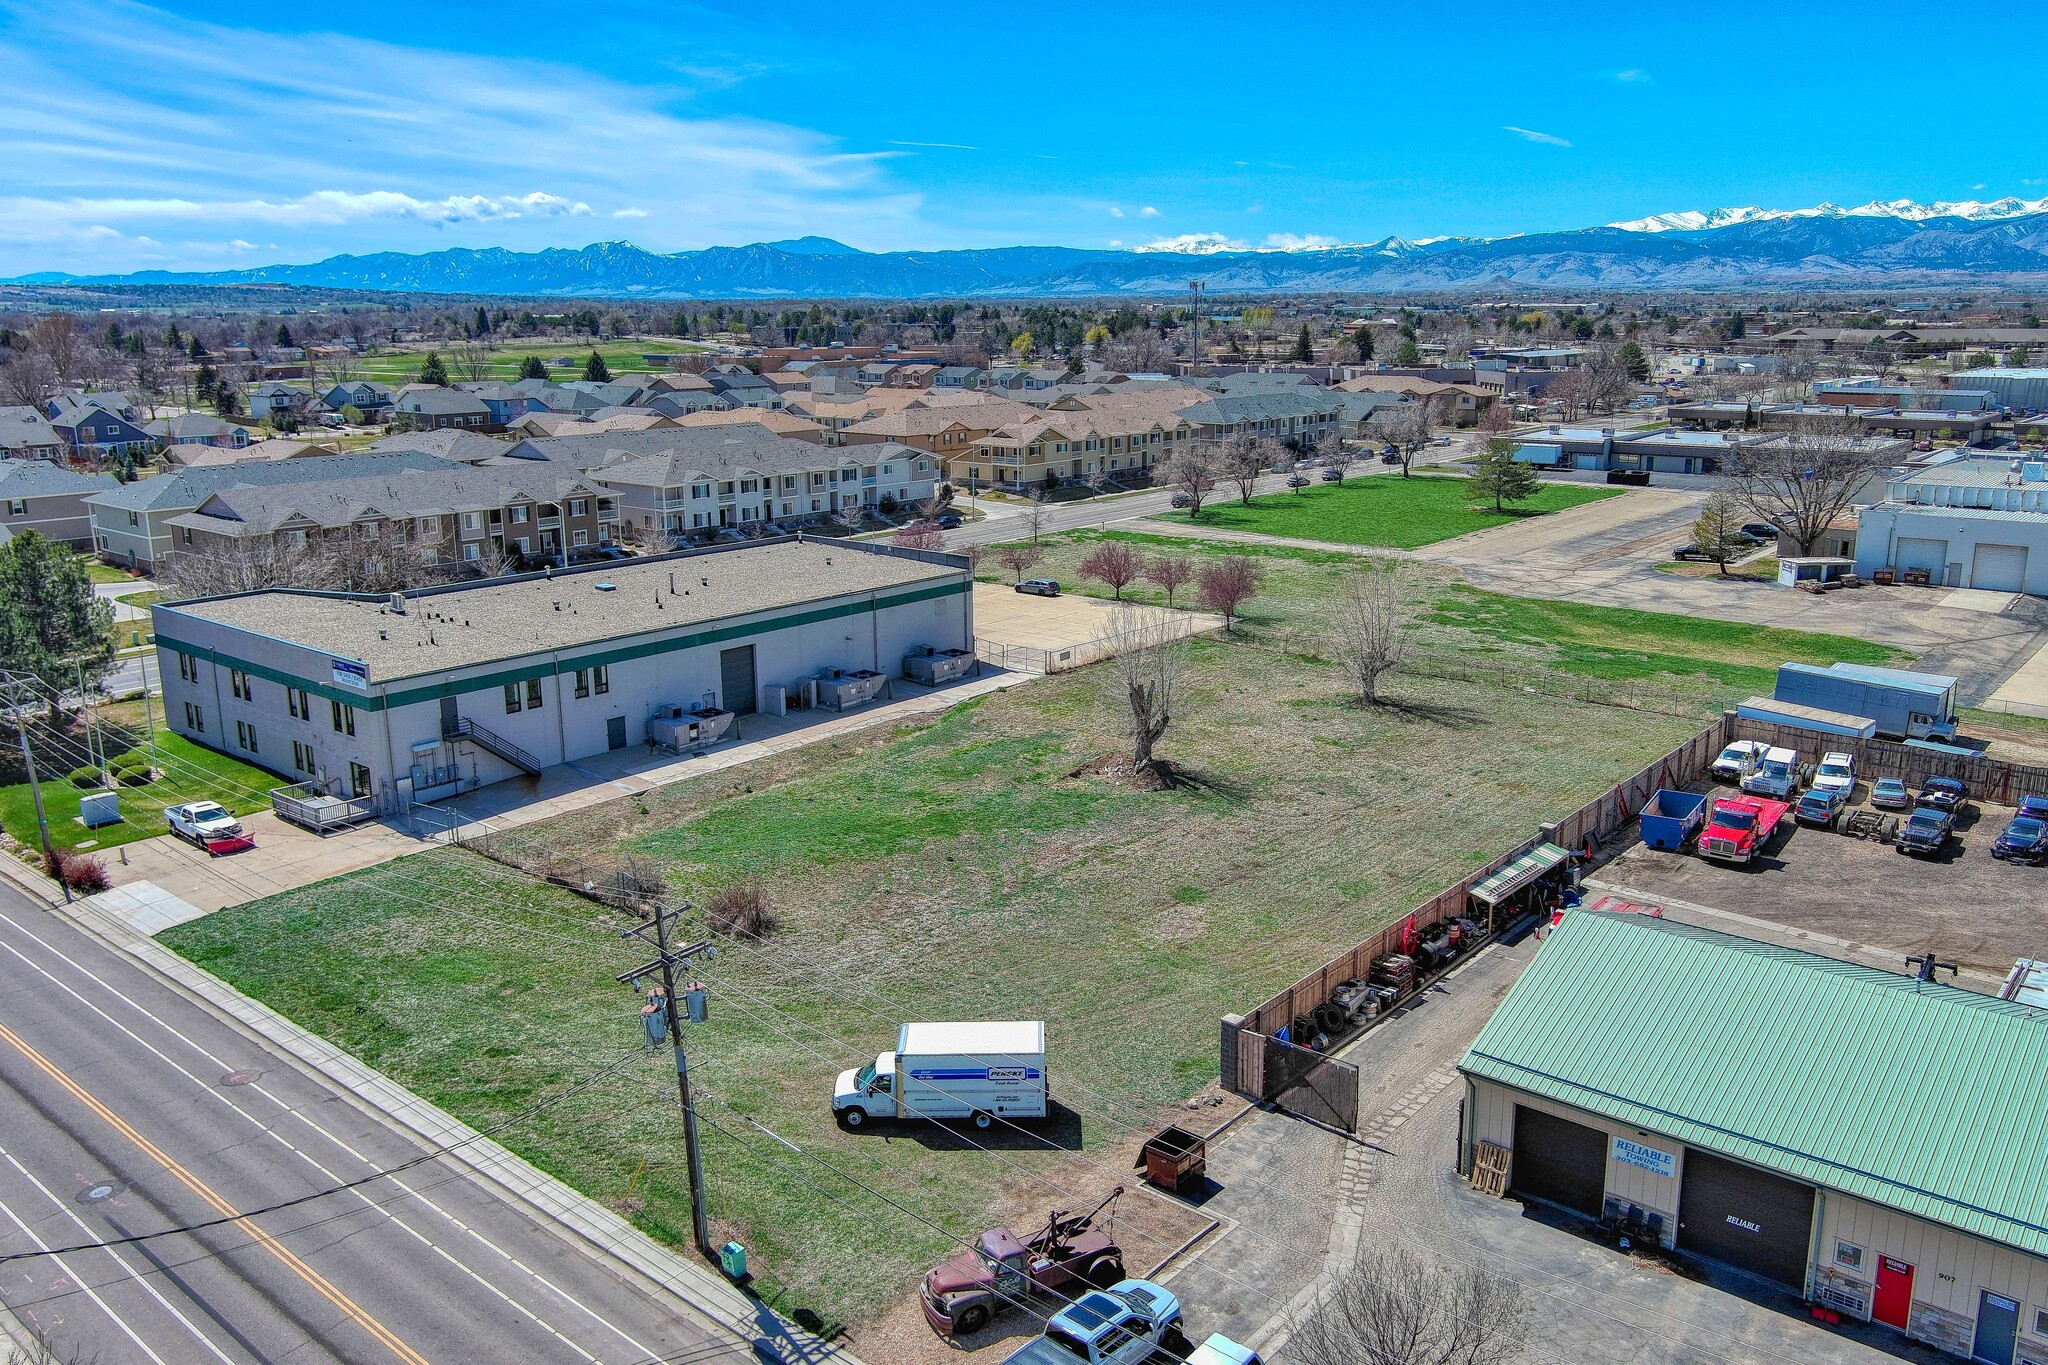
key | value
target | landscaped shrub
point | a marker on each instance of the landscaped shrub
(86, 778)
(135, 774)
(79, 872)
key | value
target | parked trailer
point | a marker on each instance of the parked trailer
(1672, 819)
(1814, 718)
(1903, 705)
(978, 1071)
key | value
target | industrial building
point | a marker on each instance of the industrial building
(2019, 389)
(1866, 1141)
(418, 696)
(1964, 523)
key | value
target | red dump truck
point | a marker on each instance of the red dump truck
(1739, 827)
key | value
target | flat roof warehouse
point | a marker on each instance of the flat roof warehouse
(464, 625)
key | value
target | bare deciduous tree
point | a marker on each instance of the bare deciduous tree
(1371, 625)
(1228, 583)
(1115, 565)
(923, 534)
(1035, 512)
(1019, 560)
(1393, 1307)
(1405, 426)
(1190, 471)
(1170, 573)
(1807, 479)
(1572, 391)
(1151, 656)
(474, 358)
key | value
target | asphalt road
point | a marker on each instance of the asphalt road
(127, 1108)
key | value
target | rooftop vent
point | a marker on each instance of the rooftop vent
(607, 587)
(398, 603)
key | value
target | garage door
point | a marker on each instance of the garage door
(1559, 1161)
(1752, 1220)
(1918, 553)
(1999, 568)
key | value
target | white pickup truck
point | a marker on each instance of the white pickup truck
(203, 822)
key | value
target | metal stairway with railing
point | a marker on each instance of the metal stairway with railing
(465, 728)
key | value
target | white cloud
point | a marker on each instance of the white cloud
(948, 146)
(1290, 241)
(1531, 135)
(629, 213)
(322, 207)
(1634, 76)
(1148, 212)
(1115, 212)
(1193, 243)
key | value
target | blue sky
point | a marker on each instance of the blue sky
(216, 135)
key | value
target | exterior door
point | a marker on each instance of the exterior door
(1748, 1218)
(615, 732)
(1558, 1161)
(450, 717)
(736, 679)
(1998, 1329)
(1894, 1302)
(1999, 568)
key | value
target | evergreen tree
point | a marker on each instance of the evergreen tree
(114, 337)
(1408, 354)
(1304, 346)
(595, 370)
(532, 368)
(50, 622)
(1736, 327)
(172, 338)
(226, 401)
(680, 325)
(204, 381)
(284, 336)
(434, 372)
(1498, 475)
(483, 322)
(195, 351)
(1361, 342)
(1629, 358)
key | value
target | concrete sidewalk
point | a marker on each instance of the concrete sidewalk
(750, 1321)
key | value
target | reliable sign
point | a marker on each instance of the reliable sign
(1646, 1158)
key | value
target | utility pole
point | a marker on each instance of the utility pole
(12, 688)
(666, 963)
(1195, 288)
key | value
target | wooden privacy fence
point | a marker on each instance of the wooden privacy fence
(1992, 779)
(1606, 814)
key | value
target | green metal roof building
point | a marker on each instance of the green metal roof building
(1868, 1141)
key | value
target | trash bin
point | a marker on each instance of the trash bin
(732, 1259)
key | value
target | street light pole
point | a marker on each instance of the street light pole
(666, 962)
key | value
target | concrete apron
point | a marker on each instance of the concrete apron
(708, 1292)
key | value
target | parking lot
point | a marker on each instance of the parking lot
(1965, 906)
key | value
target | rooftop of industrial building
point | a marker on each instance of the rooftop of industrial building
(1972, 471)
(480, 623)
(1920, 1097)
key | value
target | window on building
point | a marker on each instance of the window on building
(185, 533)
(1849, 1255)
(426, 526)
(302, 759)
(238, 683)
(579, 507)
(2041, 1322)
(533, 694)
(512, 707)
(245, 735)
(344, 718)
(602, 676)
(470, 521)
(472, 553)
(188, 668)
(582, 683)
(195, 719)
(358, 780)
(579, 537)
(295, 703)
(519, 516)
(134, 520)
(17, 506)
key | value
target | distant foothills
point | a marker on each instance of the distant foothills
(1885, 244)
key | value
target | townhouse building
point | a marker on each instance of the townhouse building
(99, 425)
(39, 495)
(25, 434)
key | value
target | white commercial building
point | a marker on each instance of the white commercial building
(1967, 523)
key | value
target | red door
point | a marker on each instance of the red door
(1894, 1293)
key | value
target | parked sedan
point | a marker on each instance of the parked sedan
(1040, 587)
(1942, 793)
(2036, 806)
(1926, 830)
(1889, 793)
(2025, 840)
(1761, 530)
(949, 521)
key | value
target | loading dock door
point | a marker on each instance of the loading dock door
(736, 679)
(1748, 1218)
(1916, 552)
(1999, 568)
(1561, 1162)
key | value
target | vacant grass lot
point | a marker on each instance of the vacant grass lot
(190, 772)
(1382, 510)
(620, 357)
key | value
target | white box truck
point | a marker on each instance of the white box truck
(977, 1071)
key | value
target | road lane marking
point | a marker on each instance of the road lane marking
(83, 1287)
(142, 1280)
(377, 1330)
(643, 1351)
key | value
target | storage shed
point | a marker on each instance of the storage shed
(1865, 1140)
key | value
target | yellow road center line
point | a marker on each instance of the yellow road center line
(376, 1329)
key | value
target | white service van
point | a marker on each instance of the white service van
(977, 1071)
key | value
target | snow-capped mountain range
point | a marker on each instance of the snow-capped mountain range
(1878, 245)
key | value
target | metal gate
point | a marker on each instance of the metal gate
(1558, 1161)
(1751, 1219)
(736, 679)
(1310, 1084)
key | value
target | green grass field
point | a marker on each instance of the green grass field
(621, 357)
(190, 772)
(1381, 510)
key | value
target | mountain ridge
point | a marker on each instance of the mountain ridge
(1877, 245)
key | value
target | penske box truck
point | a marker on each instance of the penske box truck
(976, 1071)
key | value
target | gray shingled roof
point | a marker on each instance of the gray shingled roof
(23, 428)
(406, 493)
(43, 479)
(190, 487)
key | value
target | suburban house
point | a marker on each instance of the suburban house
(429, 407)
(199, 429)
(271, 399)
(529, 509)
(37, 495)
(1077, 437)
(96, 425)
(506, 403)
(366, 396)
(129, 521)
(958, 377)
(25, 434)
(780, 423)
(420, 696)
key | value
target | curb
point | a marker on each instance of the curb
(750, 1321)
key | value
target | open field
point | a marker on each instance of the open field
(1381, 510)
(190, 772)
(621, 357)
(953, 869)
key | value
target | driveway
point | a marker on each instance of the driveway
(285, 857)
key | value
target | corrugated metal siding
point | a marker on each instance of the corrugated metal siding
(1927, 1099)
